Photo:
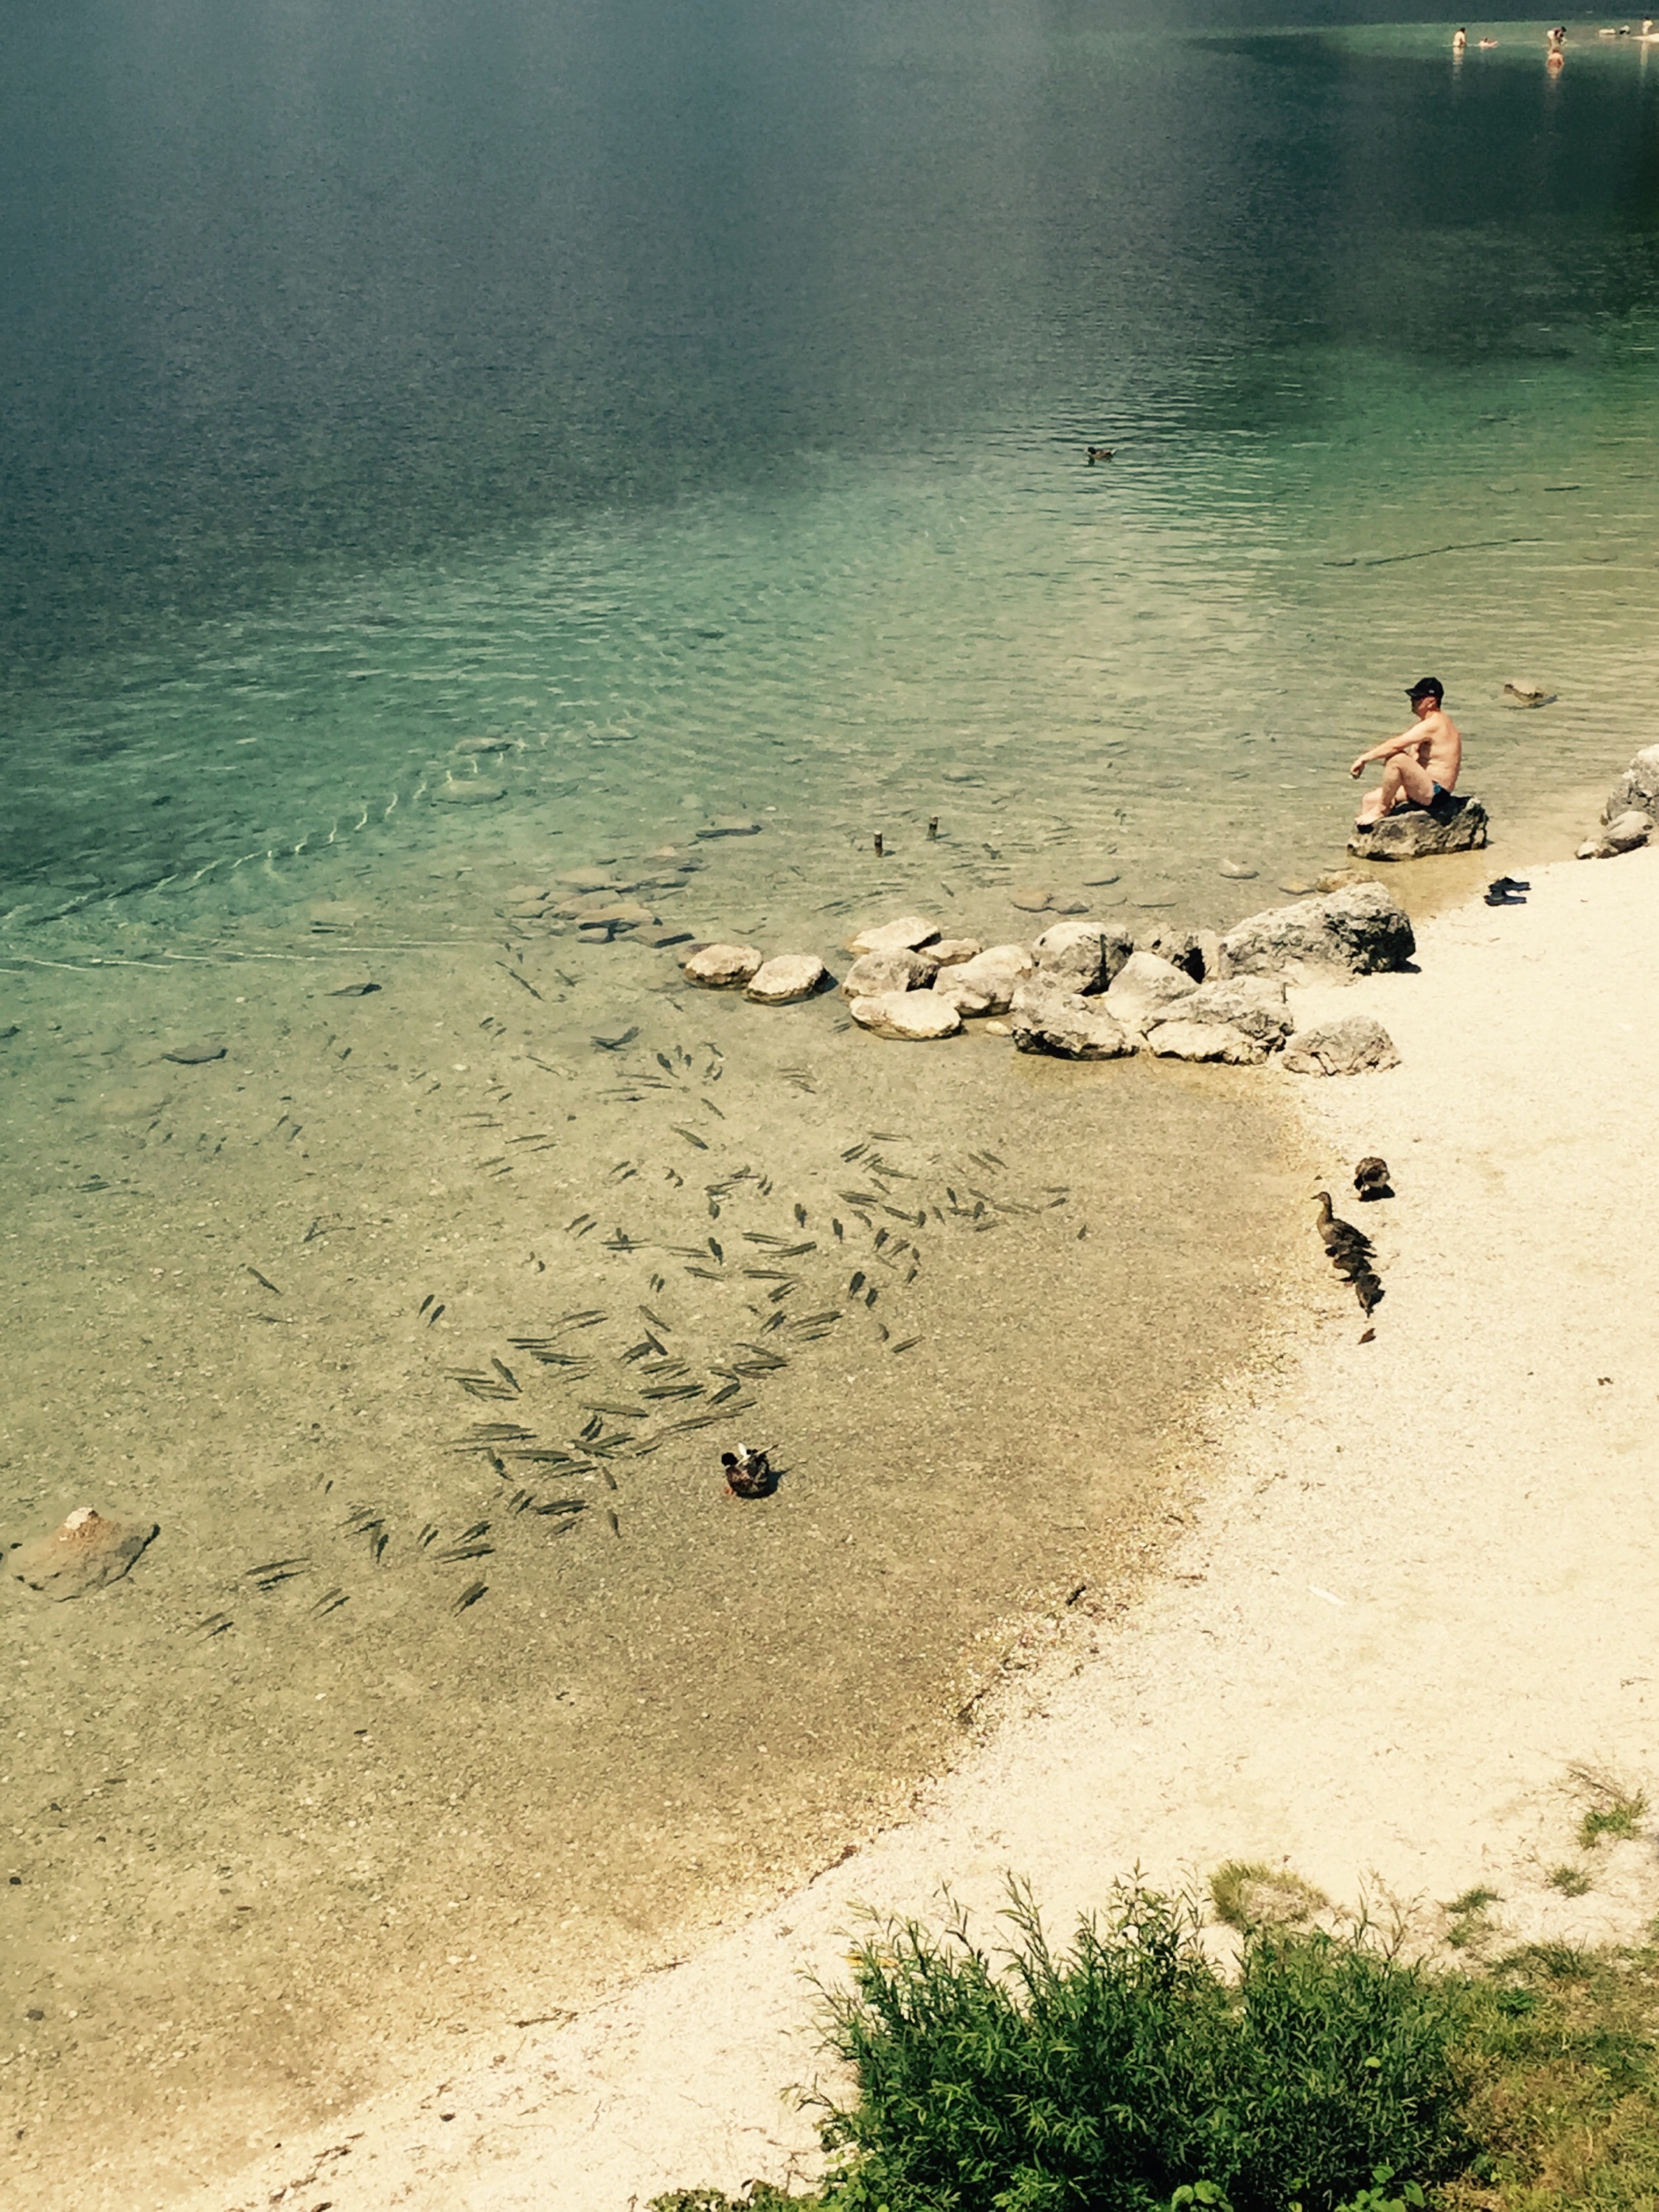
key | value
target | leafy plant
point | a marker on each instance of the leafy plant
(1113, 2076)
(1571, 1881)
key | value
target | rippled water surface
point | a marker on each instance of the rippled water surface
(691, 406)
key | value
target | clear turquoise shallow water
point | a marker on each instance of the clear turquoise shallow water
(702, 405)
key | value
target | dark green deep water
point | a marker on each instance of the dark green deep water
(692, 399)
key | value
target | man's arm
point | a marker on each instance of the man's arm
(1407, 741)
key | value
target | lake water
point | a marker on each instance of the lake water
(692, 404)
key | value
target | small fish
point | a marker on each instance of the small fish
(840, 1232)
(570, 1505)
(857, 1283)
(436, 1312)
(616, 1525)
(689, 1135)
(456, 1553)
(615, 1044)
(470, 1595)
(506, 1373)
(215, 1624)
(331, 1602)
(801, 1215)
(656, 1319)
(908, 1345)
(718, 1251)
(427, 1535)
(275, 1566)
(478, 1528)
(266, 1280)
(872, 1295)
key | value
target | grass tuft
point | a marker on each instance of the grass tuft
(1615, 1809)
(1247, 1895)
(1571, 1881)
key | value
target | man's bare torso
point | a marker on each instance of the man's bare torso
(1440, 749)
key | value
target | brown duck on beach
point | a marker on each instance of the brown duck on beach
(1339, 1236)
(1371, 1178)
(748, 1473)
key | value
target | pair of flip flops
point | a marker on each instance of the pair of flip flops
(1508, 891)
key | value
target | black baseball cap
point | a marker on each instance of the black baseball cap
(1427, 687)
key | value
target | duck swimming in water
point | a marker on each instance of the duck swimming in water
(1100, 453)
(748, 1473)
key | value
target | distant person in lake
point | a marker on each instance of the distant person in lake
(1459, 39)
(1420, 765)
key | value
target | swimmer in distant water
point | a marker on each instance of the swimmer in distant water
(1459, 39)
(1420, 766)
(1489, 42)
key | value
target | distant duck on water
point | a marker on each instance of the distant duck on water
(1100, 453)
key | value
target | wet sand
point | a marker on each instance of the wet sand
(1416, 1590)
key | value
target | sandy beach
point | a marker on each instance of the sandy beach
(1414, 1584)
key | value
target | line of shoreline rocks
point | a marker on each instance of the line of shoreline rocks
(1093, 990)
(1631, 811)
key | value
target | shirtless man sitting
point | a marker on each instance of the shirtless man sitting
(1420, 765)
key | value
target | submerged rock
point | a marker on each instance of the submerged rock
(915, 1017)
(194, 1055)
(88, 1551)
(1355, 1046)
(734, 826)
(902, 936)
(467, 790)
(1453, 824)
(1046, 1018)
(785, 978)
(486, 745)
(722, 967)
(1360, 930)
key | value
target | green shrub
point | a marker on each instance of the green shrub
(1112, 2077)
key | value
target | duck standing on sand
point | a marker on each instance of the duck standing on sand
(1371, 1178)
(1337, 1236)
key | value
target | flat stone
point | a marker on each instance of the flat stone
(1030, 898)
(1203, 1041)
(995, 973)
(1356, 1045)
(950, 951)
(132, 1105)
(723, 967)
(1145, 988)
(662, 939)
(1083, 956)
(1360, 931)
(1417, 833)
(365, 989)
(1252, 1004)
(86, 1552)
(194, 1055)
(915, 1017)
(1046, 1018)
(904, 935)
(526, 894)
(1624, 834)
(730, 829)
(333, 914)
(873, 975)
(1237, 871)
(468, 791)
(785, 977)
(623, 914)
(592, 880)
